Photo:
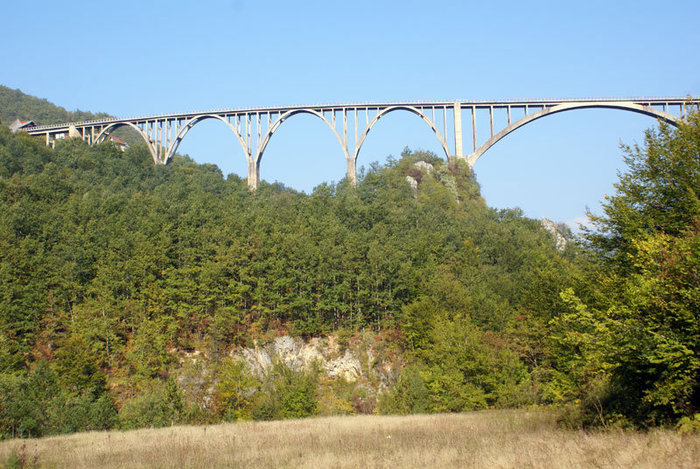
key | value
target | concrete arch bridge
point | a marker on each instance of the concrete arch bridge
(351, 123)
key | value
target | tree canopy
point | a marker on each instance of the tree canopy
(636, 333)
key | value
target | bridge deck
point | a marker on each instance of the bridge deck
(483, 104)
(253, 127)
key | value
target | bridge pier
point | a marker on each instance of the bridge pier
(457, 110)
(253, 174)
(351, 172)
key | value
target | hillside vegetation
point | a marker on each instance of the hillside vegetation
(16, 105)
(113, 269)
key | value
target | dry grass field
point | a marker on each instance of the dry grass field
(491, 439)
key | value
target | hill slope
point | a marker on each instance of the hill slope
(14, 104)
(134, 294)
(115, 271)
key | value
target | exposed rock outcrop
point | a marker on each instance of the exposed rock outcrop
(295, 353)
(368, 362)
(559, 239)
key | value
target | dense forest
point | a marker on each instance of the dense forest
(111, 266)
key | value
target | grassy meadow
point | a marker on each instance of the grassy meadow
(494, 439)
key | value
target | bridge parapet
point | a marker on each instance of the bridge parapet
(351, 123)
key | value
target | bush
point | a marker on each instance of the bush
(154, 408)
(70, 413)
(19, 459)
(35, 405)
(408, 396)
(286, 393)
(234, 390)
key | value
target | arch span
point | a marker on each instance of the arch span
(187, 126)
(350, 163)
(111, 127)
(273, 128)
(623, 106)
(410, 109)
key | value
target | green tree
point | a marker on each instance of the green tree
(286, 393)
(408, 396)
(159, 406)
(634, 342)
(659, 193)
(234, 390)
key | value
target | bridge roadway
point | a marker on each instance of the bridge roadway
(254, 127)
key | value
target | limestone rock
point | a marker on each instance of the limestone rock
(298, 354)
(427, 167)
(347, 367)
(559, 239)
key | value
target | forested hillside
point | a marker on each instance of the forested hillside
(111, 268)
(16, 105)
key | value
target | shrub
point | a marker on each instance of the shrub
(286, 393)
(234, 390)
(408, 396)
(159, 407)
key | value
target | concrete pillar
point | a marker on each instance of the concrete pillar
(474, 126)
(253, 174)
(458, 129)
(152, 147)
(351, 172)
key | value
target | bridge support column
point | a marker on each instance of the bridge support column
(153, 148)
(253, 174)
(351, 172)
(458, 129)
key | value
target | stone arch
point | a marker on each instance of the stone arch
(624, 106)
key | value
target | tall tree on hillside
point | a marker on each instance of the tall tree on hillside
(636, 341)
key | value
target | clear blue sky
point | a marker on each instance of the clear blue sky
(141, 57)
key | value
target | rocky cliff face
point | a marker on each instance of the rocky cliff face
(356, 361)
(297, 354)
(363, 361)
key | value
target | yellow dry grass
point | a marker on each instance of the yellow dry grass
(492, 439)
